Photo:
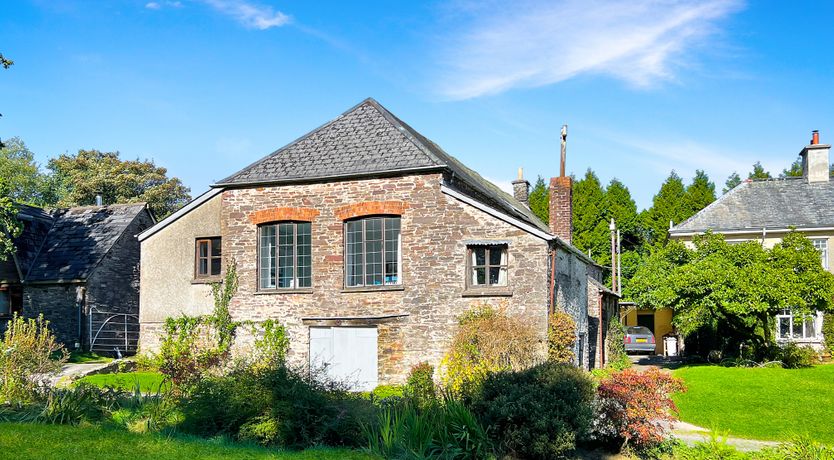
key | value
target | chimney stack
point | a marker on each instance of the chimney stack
(815, 162)
(561, 197)
(521, 189)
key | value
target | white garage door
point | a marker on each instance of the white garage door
(349, 353)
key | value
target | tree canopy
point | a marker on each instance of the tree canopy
(9, 225)
(738, 288)
(539, 200)
(732, 182)
(80, 177)
(26, 182)
(758, 172)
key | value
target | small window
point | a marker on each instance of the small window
(372, 252)
(793, 327)
(285, 257)
(208, 260)
(5, 303)
(821, 245)
(487, 265)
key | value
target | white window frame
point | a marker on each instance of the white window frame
(821, 245)
(787, 315)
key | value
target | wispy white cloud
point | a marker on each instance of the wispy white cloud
(163, 4)
(536, 43)
(251, 15)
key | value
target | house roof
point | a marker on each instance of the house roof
(368, 140)
(75, 241)
(770, 204)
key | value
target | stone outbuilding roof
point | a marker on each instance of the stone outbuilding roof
(369, 141)
(67, 244)
(770, 204)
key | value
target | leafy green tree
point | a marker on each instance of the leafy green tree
(590, 231)
(539, 200)
(700, 193)
(669, 205)
(23, 176)
(734, 289)
(758, 172)
(732, 182)
(89, 173)
(5, 62)
(9, 225)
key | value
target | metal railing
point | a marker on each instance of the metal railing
(116, 333)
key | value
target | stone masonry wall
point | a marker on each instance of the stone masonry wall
(435, 228)
(60, 304)
(572, 297)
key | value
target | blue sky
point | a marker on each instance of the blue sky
(205, 87)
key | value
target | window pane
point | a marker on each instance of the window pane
(480, 276)
(304, 261)
(784, 328)
(286, 255)
(215, 247)
(797, 328)
(203, 245)
(392, 250)
(267, 262)
(373, 252)
(354, 259)
(5, 304)
(810, 330)
(480, 255)
(203, 270)
(215, 266)
(495, 253)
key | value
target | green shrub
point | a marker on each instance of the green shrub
(561, 338)
(64, 406)
(446, 430)
(615, 352)
(272, 347)
(539, 412)
(828, 331)
(419, 386)
(487, 340)
(29, 353)
(383, 392)
(277, 407)
(794, 356)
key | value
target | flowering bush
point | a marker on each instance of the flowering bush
(632, 406)
(420, 385)
(488, 340)
(29, 353)
(561, 338)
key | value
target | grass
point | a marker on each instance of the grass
(27, 441)
(760, 403)
(149, 382)
(87, 357)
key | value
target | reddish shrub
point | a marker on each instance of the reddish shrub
(633, 406)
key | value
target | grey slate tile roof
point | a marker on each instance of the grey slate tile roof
(368, 140)
(773, 204)
(76, 240)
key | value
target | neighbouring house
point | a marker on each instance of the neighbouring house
(79, 268)
(765, 211)
(368, 241)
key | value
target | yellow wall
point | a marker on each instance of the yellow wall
(662, 323)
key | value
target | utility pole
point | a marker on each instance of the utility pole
(564, 149)
(614, 261)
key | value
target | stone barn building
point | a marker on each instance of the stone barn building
(79, 267)
(368, 241)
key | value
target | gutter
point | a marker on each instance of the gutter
(756, 230)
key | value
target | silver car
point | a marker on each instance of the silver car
(639, 338)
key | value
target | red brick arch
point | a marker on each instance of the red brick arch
(277, 214)
(369, 208)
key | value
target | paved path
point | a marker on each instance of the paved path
(71, 371)
(691, 434)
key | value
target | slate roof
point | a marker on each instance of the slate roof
(76, 240)
(773, 204)
(368, 140)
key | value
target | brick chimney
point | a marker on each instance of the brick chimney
(815, 162)
(521, 189)
(561, 197)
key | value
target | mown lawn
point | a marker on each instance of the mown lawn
(756, 403)
(26, 441)
(149, 382)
